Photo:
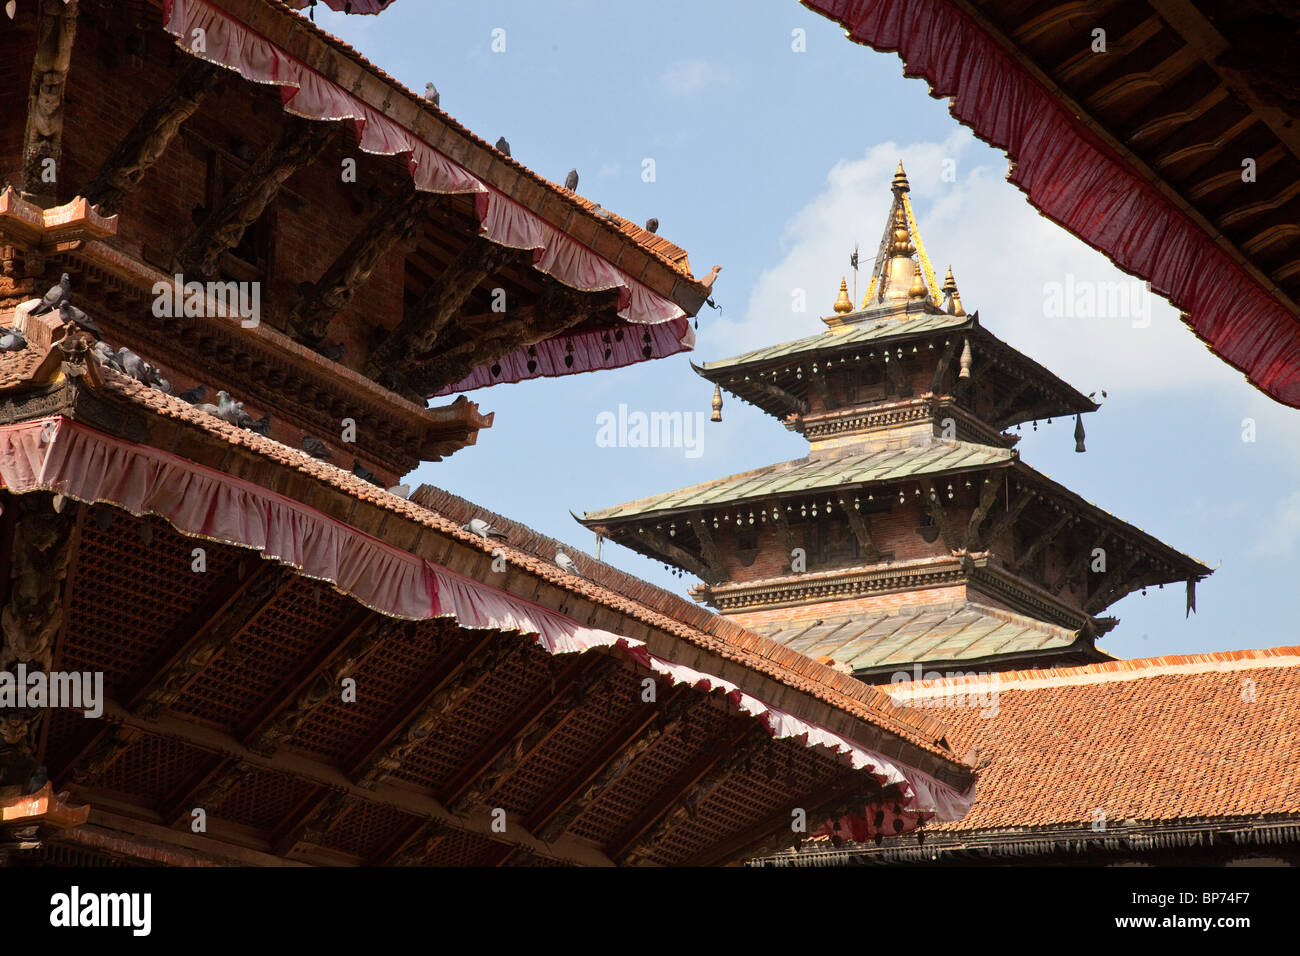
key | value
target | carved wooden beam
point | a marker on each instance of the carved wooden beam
(610, 764)
(897, 380)
(399, 218)
(204, 790)
(411, 849)
(527, 731)
(558, 309)
(1113, 580)
(43, 543)
(943, 367)
(56, 28)
(420, 722)
(318, 681)
(1078, 566)
(823, 389)
(186, 657)
(988, 495)
(1045, 538)
(679, 801)
(425, 321)
(1008, 517)
(299, 142)
(1009, 400)
(148, 140)
(709, 550)
(773, 833)
(675, 553)
(937, 511)
(861, 525)
(784, 536)
(312, 822)
(775, 391)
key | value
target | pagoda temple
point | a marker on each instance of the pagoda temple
(237, 261)
(912, 536)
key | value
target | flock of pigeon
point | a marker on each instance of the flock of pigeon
(432, 95)
(485, 531)
(128, 363)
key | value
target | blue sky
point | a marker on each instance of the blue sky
(773, 163)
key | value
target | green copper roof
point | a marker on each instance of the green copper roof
(866, 332)
(920, 633)
(811, 474)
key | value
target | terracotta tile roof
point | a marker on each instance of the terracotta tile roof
(1159, 739)
(661, 249)
(717, 636)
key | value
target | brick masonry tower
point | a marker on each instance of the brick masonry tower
(912, 533)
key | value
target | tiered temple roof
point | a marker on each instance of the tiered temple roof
(912, 495)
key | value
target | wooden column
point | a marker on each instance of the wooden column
(33, 614)
(56, 27)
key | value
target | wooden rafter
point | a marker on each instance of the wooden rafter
(528, 730)
(1078, 566)
(187, 653)
(397, 220)
(1007, 518)
(771, 390)
(678, 802)
(709, 550)
(414, 845)
(424, 322)
(422, 714)
(56, 28)
(988, 495)
(1008, 402)
(311, 822)
(299, 142)
(205, 789)
(148, 140)
(557, 310)
(317, 682)
(1114, 579)
(610, 764)
(663, 545)
(898, 382)
(1039, 545)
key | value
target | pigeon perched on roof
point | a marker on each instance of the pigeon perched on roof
(652, 224)
(156, 380)
(229, 410)
(12, 340)
(259, 425)
(432, 95)
(567, 563)
(194, 395)
(481, 528)
(364, 474)
(133, 365)
(316, 448)
(69, 314)
(56, 294)
(104, 352)
(503, 146)
(571, 181)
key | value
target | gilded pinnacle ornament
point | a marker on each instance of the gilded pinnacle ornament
(717, 404)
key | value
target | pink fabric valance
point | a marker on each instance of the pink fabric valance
(305, 92)
(1078, 182)
(345, 6)
(58, 455)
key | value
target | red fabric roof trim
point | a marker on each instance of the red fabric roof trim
(59, 455)
(344, 6)
(1077, 182)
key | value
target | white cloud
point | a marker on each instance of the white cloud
(1005, 257)
(684, 79)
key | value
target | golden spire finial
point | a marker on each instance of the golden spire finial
(952, 301)
(900, 179)
(843, 304)
(917, 291)
(717, 404)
